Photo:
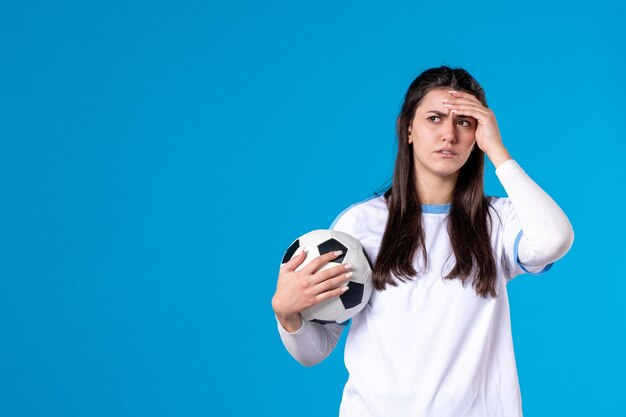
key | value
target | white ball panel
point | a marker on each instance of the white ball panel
(327, 310)
(333, 309)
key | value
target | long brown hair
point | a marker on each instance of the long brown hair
(469, 209)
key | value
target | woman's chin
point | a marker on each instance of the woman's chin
(446, 171)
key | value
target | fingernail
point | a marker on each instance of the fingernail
(337, 252)
(344, 289)
(347, 266)
(349, 274)
(299, 251)
(446, 100)
(453, 92)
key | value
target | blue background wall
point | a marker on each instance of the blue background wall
(156, 158)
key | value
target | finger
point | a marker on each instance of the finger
(295, 260)
(480, 114)
(333, 283)
(326, 274)
(463, 94)
(317, 263)
(464, 108)
(330, 294)
(461, 100)
(467, 106)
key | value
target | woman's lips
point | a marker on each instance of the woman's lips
(446, 154)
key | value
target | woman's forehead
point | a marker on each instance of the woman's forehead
(432, 100)
(435, 96)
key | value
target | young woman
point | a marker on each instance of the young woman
(435, 338)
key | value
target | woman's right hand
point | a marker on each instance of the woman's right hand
(299, 290)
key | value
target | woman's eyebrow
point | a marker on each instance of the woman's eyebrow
(438, 113)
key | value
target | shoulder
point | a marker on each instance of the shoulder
(371, 208)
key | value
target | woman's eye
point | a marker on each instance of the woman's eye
(465, 121)
(433, 117)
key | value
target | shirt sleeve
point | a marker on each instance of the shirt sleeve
(536, 232)
(512, 234)
(314, 342)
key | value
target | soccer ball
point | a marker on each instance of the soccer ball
(342, 308)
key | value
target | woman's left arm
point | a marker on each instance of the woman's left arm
(547, 232)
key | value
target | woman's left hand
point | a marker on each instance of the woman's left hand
(488, 136)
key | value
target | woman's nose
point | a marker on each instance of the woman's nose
(449, 133)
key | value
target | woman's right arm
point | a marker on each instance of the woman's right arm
(312, 342)
(309, 343)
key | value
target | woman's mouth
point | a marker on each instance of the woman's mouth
(446, 154)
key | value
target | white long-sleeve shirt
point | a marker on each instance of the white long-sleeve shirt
(432, 347)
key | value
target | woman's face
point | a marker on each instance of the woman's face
(434, 128)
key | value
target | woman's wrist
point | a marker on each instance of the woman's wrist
(498, 156)
(291, 323)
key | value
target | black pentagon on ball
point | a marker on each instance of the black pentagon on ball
(332, 245)
(353, 296)
(291, 250)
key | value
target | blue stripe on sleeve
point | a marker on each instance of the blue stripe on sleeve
(515, 254)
